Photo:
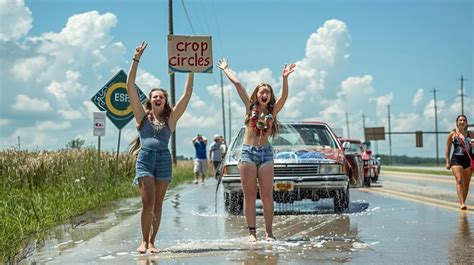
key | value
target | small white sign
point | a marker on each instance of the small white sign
(99, 123)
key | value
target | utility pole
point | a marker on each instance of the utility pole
(172, 84)
(230, 118)
(436, 126)
(389, 135)
(462, 94)
(363, 125)
(347, 125)
(222, 99)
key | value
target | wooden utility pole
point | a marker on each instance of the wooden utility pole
(436, 126)
(172, 83)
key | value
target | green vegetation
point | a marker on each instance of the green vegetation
(418, 170)
(410, 161)
(42, 189)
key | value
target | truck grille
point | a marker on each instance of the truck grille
(300, 170)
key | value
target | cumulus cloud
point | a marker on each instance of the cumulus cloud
(24, 103)
(4, 122)
(23, 69)
(418, 97)
(16, 20)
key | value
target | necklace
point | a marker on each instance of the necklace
(260, 122)
(155, 123)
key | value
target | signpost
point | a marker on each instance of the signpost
(112, 98)
(374, 133)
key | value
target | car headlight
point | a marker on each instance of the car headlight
(230, 170)
(331, 169)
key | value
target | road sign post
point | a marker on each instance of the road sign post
(99, 130)
(112, 98)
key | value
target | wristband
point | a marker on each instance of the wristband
(135, 60)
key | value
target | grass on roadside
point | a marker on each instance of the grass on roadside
(42, 189)
(416, 170)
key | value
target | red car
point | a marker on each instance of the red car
(364, 169)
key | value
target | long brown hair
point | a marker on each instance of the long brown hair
(270, 106)
(135, 145)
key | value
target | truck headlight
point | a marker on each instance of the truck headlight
(230, 170)
(331, 169)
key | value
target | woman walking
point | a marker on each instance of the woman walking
(460, 161)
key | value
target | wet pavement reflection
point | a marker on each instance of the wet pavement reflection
(375, 229)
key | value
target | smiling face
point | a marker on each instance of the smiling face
(461, 122)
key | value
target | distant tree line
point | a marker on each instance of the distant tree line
(410, 160)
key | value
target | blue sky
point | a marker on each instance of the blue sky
(352, 56)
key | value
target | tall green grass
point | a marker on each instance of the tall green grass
(42, 189)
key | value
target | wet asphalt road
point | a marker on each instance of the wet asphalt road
(402, 219)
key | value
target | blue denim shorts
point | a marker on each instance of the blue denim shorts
(259, 155)
(154, 163)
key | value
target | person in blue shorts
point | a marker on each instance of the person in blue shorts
(256, 160)
(155, 123)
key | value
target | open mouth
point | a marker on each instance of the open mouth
(264, 99)
(157, 104)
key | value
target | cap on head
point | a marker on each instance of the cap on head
(199, 135)
(216, 136)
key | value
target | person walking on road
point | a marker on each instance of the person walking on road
(256, 160)
(200, 160)
(155, 123)
(215, 155)
(461, 159)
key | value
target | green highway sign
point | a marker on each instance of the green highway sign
(113, 98)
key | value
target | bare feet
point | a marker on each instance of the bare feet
(252, 238)
(142, 248)
(463, 207)
(252, 234)
(196, 181)
(153, 249)
(270, 237)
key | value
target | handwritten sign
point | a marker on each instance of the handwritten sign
(189, 54)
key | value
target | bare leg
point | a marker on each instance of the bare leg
(196, 177)
(265, 181)
(248, 175)
(160, 191)
(458, 175)
(147, 193)
(466, 181)
(203, 176)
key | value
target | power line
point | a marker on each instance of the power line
(187, 17)
(462, 93)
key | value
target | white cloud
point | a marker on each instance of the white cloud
(23, 69)
(147, 81)
(52, 125)
(418, 97)
(4, 122)
(24, 103)
(382, 102)
(64, 91)
(16, 20)
(70, 114)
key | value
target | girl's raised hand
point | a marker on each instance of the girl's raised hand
(139, 50)
(222, 64)
(288, 69)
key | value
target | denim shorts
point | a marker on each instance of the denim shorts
(259, 155)
(154, 163)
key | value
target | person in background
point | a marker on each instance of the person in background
(155, 124)
(215, 155)
(460, 161)
(223, 147)
(256, 160)
(200, 160)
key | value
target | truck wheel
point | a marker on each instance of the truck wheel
(341, 200)
(234, 202)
